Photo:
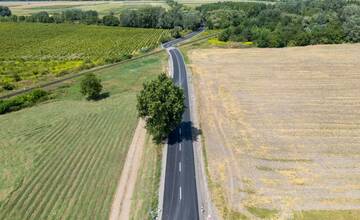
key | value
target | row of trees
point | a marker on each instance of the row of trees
(67, 16)
(157, 17)
(288, 23)
(150, 17)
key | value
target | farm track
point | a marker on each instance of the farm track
(74, 176)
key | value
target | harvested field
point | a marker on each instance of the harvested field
(282, 129)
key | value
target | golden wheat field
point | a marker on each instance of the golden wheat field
(281, 129)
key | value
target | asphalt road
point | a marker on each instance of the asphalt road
(181, 39)
(180, 195)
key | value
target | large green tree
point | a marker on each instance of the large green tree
(161, 104)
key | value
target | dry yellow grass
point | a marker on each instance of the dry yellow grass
(282, 126)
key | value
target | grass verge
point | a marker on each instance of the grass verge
(327, 214)
(145, 198)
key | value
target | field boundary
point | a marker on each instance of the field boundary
(121, 205)
(207, 209)
(73, 76)
(46, 85)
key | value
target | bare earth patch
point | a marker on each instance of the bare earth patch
(282, 126)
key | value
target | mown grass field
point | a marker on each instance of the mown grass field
(62, 159)
(34, 52)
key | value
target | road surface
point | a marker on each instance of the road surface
(180, 195)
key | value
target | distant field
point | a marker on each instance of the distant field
(103, 7)
(62, 159)
(282, 130)
(37, 52)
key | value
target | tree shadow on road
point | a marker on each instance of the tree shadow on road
(185, 131)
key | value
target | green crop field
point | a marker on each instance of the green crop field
(63, 158)
(34, 52)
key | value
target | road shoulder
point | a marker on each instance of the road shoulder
(206, 208)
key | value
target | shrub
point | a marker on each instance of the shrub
(91, 86)
(22, 101)
(8, 86)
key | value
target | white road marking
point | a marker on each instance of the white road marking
(180, 193)
(179, 166)
(179, 146)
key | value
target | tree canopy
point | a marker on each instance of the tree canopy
(90, 86)
(4, 11)
(161, 104)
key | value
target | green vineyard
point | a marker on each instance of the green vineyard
(62, 159)
(34, 52)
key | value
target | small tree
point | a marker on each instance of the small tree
(91, 86)
(4, 11)
(161, 104)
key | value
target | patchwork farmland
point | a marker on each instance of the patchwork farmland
(281, 130)
(36, 52)
(62, 159)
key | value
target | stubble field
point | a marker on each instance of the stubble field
(281, 130)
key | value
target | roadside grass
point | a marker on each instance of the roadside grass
(327, 214)
(62, 158)
(145, 198)
(262, 212)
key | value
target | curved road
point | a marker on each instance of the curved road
(180, 194)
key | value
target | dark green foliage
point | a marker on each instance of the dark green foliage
(8, 86)
(225, 35)
(176, 32)
(90, 86)
(4, 11)
(287, 23)
(161, 104)
(158, 17)
(110, 20)
(22, 101)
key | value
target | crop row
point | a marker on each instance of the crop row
(75, 175)
(34, 51)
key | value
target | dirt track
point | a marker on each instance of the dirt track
(120, 209)
(282, 126)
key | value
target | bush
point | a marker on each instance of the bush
(225, 35)
(4, 11)
(176, 32)
(8, 86)
(91, 86)
(111, 20)
(22, 101)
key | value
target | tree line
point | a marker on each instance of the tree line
(286, 23)
(177, 16)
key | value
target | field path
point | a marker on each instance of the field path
(121, 205)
